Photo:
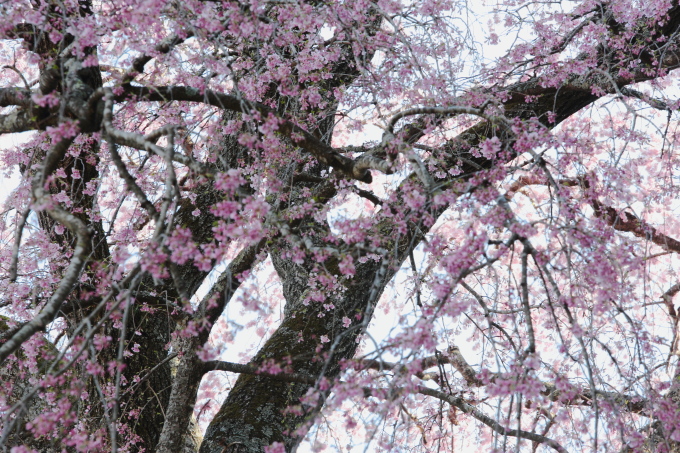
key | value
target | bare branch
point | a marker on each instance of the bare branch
(627, 222)
(20, 120)
(582, 397)
(652, 102)
(446, 111)
(17, 243)
(667, 299)
(466, 407)
(217, 365)
(370, 196)
(15, 96)
(19, 73)
(161, 131)
(459, 363)
(619, 220)
(524, 287)
(425, 363)
(163, 47)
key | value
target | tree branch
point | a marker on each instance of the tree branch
(15, 96)
(17, 243)
(217, 365)
(627, 222)
(213, 303)
(619, 220)
(163, 47)
(324, 153)
(78, 260)
(139, 141)
(652, 102)
(445, 112)
(466, 407)
(122, 169)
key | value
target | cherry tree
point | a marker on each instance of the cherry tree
(447, 227)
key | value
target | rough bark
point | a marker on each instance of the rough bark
(254, 414)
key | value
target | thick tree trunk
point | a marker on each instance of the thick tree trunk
(255, 413)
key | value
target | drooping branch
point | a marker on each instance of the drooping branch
(17, 243)
(122, 169)
(78, 260)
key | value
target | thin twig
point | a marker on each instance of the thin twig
(14, 263)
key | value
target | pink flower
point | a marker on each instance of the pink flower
(346, 266)
(276, 447)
